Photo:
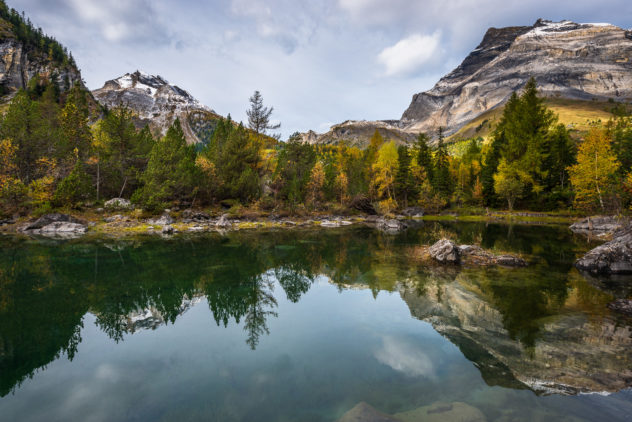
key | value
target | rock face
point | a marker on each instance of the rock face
(158, 104)
(614, 257)
(18, 66)
(359, 132)
(569, 60)
(446, 252)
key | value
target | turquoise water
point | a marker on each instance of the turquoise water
(303, 325)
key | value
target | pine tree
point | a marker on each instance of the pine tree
(424, 155)
(237, 166)
(171, 174)
(259, 116)
(441, 178)
(405, 186)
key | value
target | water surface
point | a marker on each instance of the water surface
(303, 325)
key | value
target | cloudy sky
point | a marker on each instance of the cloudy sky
(318, 62)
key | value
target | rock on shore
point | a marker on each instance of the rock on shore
(614, 257)
(56, 225)
(599, 225)
(446, 251)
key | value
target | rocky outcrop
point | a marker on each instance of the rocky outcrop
(568, 60)
(163, 220)
(359, 132)
(413, 212)
(18, 65)
(445, 251)
(599, 225)
(623, 306)
(223, 222)
(158, 104)
(475, 255)
(51, 224)
(614, 257)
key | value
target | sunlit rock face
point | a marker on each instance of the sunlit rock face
(157, 103)
(18, 66)
(151, 318)
(358, 133)
(568, 60)
(572, 353)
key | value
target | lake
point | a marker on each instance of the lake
(302, 325)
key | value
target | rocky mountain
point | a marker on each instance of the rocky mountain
(158, 103)
(357, 133)
(585, 64)
(568, 60)
(25, 54)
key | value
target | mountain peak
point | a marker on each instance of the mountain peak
(155, 101)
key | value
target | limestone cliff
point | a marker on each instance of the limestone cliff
(568, 60)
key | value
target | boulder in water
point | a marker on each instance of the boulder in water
(614, 257)
(445, 251)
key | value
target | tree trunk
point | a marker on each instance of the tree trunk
(123, 188)
(597, 183)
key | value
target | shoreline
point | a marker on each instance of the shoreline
(123, 223)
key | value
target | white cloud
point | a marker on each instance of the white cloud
(410, 54)
(404, 356)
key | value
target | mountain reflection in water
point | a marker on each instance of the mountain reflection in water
(543, 328)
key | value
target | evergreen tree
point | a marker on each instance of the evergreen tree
(424, 155)
(171, 174)
(237, 166)
(259, 116)
(405, 186)
(441, 178)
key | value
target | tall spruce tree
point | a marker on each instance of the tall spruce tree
(441, 178)
(405, 186)
(424, 155)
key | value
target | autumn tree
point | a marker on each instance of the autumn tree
(593, 175)
(316, 183)
(384, 171)
(441, 180)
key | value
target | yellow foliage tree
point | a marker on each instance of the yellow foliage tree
(592, 176)
(316, 183)
(384, 171)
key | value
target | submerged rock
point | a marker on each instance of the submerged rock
(599, 225)
(473, 254)
(362, 412)
(443, 412)
(623, 306)
(390, 226)
(614, 257)
(118, 204)
(445, 251)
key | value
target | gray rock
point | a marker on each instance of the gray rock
(475, 255)
(190, 216)
(362, 412)
(414, 212)
(445, 251)
(390, 226)
(168, 229)
(164, 220)
(223, 222)
(510, 261)
(113, 218)
(623, 306)
(118, 204)
(48, 219)
(63, 227)
(614, 257)
(599, 225)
